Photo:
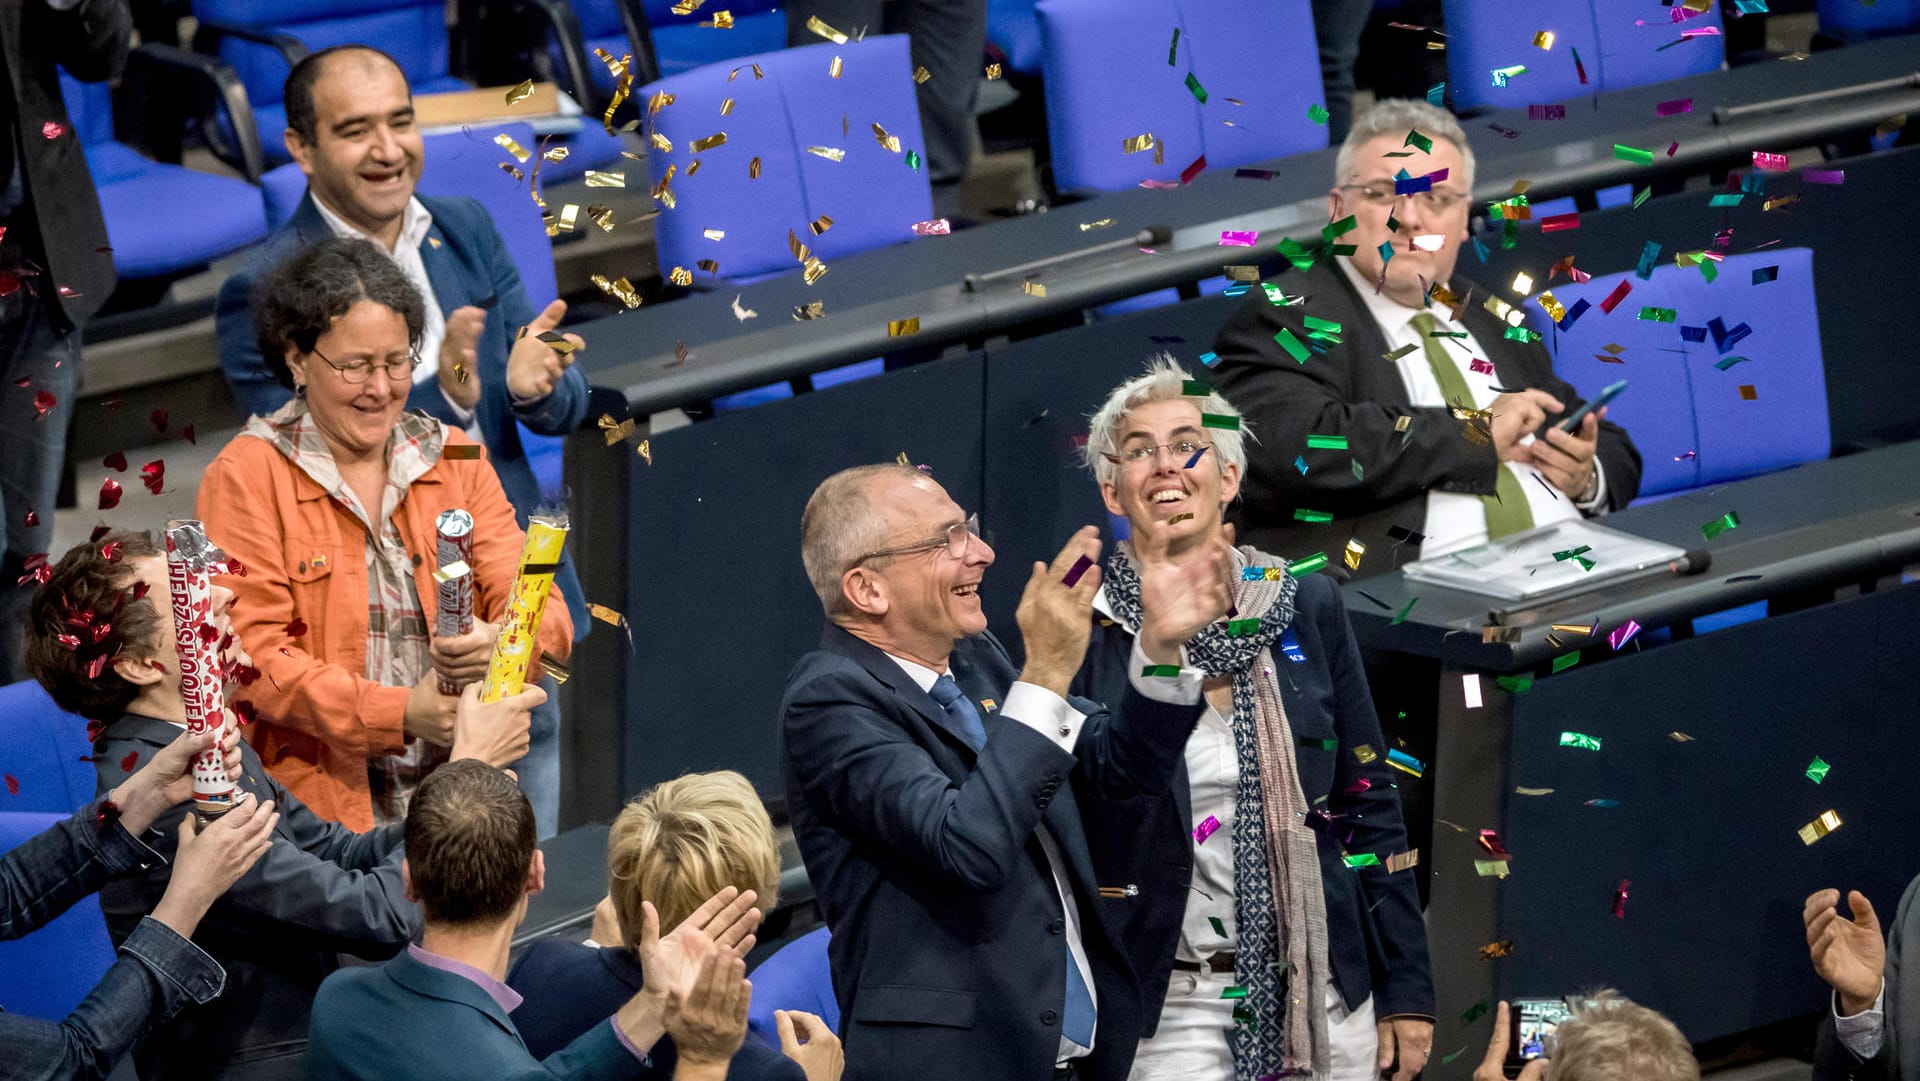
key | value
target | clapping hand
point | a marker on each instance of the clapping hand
(459, 355)
(724, 924)
(1849, 954)
(1183, 587)
(1056, 619)
(708, 1021)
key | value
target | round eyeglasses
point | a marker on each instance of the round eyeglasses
(355, 372)
(1437, 200)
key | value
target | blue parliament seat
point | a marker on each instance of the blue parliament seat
(1108, 81)
(47, 973)
(1014, 26)
(796, 977)
(1686, 403)
(681, 43)
(263, 39)
(210, 217)
(43, 754)
(1621, 43)
(1853, 20)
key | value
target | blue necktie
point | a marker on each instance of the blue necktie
(959, 709)
(1077, 1019)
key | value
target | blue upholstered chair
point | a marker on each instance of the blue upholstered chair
(1108, 81)
(796, 977)
(1619, 42)
(681, 44)
(1014, 25)
(263, 39)
(1685, 411)
(43, 754)
(1851, 20)
(214, 214)
(48, 972)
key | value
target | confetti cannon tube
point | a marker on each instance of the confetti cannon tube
(190, 560)
(453, 570)
(513, 651)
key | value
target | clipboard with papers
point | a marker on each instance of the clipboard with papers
(1544, 562)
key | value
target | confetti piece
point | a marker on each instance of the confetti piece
(1137, 143)
(1076, 572)
(1817, 771)
(1490, 840)
(1720, 525)
(831, 153)
(1620, 899)
(1205, 830)
(1405, 762)
(1294, 346)
(921, 75)
(1300, 568)
(818, 27)
(1223, 421)
(1470, 688)
(1658, 315)
(1623, 634)
(518, 94)
(900, 328)
(1396, 355)
(1169, 671)
(1514, 684)
(1300, 463)
(619, 289)
(1238, 238)
(1819, 827)
(1401, 616)
(1533, 791)
(1242, 628)
(1673, 108)
(1447, 1059)
(1193, 86)
(1361, 859)
(1317, 113)
(1301, 514)
(753, 169)
(742, 313)
(1415, 139)
(1582, 741)
(1614, 298)
(110, 492)
(1326, 442)
(1501, 75)
(835, 67)
(1559, 222)
(1403, 861)
(1823, 176)
(1772, 163)
(507, 143)
(1492, 868)
(1633, 154)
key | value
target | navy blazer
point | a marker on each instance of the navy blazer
(467, 263)
(947, 951)
(1376, 941)
(569, 987)
(409, 1019)
(319, 891)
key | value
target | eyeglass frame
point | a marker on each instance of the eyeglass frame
(970, 527)
(1374, 197)
(1152, 453)
(413, 365)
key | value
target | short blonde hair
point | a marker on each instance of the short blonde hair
(685, 840)
(1164, 380)
(1609, 1037)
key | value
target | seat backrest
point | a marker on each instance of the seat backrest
(1108, 81)
(1687, 415)
(796, 977)
(872, 194)
(1854, 20)
(661, 13)
(1619, 42)
(42, 748)
(47, 973)
(467, 163)
(1014, 25)
(681, 43)
(598, 18)
(89, 109)
(413, 32)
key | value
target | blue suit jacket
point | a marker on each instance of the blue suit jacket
(467, 263)
(407, 1019)
(1377, 943)
(947, 949)
(569, 987)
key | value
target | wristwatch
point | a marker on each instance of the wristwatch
(1592, 489)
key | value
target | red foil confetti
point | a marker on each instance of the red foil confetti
(51, 130)
(159, 419)
(1558, 222)
(117, 461)
(43, 401)
(32, 518)
(110, 492)
(1199, 166)
(1771, 163)
(111, 550)
(127, 763)
(154, 475)
(13, 785)
(1620, 899)
(1614, 298)
(297, 628)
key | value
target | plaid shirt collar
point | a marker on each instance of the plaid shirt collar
(413, 448)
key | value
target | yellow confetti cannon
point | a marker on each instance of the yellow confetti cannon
(513, 651)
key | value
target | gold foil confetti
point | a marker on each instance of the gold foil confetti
(660, 100)
(834, 69)
(921, 75)
(601, 178)
(1403, 861)
(1034, 289)
(814, 271)
(1089, 226)
(993, 71)
(645, 450)
(810, 310)
(1160, 152)
(900, 328)
(680, 276)
(618, 68)
(615, 431)
(714, 234)
(722, 20)
(506, 143)
(831, 153)
(1523, 283)
(757, 73)
(816, 26)
(679, 354)
(1137, 143)
(753, 169)
(1400, 423)
(520, 93)
(693, 166)
(569, 217)
(801, 253)
(1356, 550)
(891, 142)
(1573, 628)
(701, 146)
(1521, 791)
(1241, 273)
(741, 312)
(555, 154)
(687, 7)
(512, 170)
(1491, 635)
(1819, 827)
(820, 224)
(607, 615)
(619, 289)
(1365, 754)
(1543, 40)
(732, 75)
(661, 142)
(1679, 737)
(726, 107)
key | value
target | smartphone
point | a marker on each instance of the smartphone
(1573, 419)
(1534, 1021)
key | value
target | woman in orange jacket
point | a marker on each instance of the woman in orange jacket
(329, 504)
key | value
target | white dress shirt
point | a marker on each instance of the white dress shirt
(1862, 1033)
(405, 254)
(1055, 718)
(1457, 520)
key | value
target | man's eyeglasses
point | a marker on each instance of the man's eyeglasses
(954, 539)
(1183, 451)
(355, 372)
(1437, 200)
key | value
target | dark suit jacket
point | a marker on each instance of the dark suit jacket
(947, 949)
(1352, 392)
(320, 890)
(1896, 1059)
(407, 1019)
(467, 263)
(569, 987)
(1376, 940)
(60, 227)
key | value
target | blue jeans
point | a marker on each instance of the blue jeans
(32, 449)
(539, 771)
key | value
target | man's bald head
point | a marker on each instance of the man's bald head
(297, 94)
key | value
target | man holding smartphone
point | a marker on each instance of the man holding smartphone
(1601, 1036)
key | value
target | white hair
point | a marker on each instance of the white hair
(1164, 380)
(1611, 1038)
(1397, 117)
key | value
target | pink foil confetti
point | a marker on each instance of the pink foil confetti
(43, 403)
(1675, 107)
(936, 227)
(1075, 572)
(1772, 163)
(1622, 634)
(1558, 222)
(1823, 176)
(1671, 148)
(1239, 238)
(1205, 830)
(1620, 899)
(51, 130)
(1482, 366)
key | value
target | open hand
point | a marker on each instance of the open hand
(1849, 954)
(1056, 619)
(459, 356)
(1494, 1066)
(1181, 590)
(723, 924)
(708, 1021)
(534, 367)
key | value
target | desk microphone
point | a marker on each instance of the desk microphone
(1694, 562)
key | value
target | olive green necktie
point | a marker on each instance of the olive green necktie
(1507, 509)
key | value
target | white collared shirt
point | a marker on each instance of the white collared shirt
(1457, 520)
(405, 253)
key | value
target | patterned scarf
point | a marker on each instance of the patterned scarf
(1281, 953)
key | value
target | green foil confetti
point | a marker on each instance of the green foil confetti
(1566, 661)
(1474, 1012)
(1321, 329)
(1580, 740)
(1401, 616)
(1237, 991)
(1300, 256)
(1520, 334)
(1361, 859)
(1173, 47)
(1514, 684)
(1218, 927)
(1223, 421)
(1817, 772)
(1326, 442)
(1642, 196)
(1317, 113)
(1727, 198)
(1295, 347)
(1242, 628)
(1196, 388)
(1193, 85)
(1170, 671)
(1720, 525)
(1633, 154)
(1414, 138)
(1300, 568)
(913, 160)
(1302, 514)
(1659, 315)
(1447, 1060)
(1339, 228)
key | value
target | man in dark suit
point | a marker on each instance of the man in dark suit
(321, 890)
(1872, 1029)
(56, 267)
(1412, 468)
(932, 787)
(471, 864)
(350, 127)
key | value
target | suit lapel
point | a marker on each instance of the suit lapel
(883, 668)
(1372, 379)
